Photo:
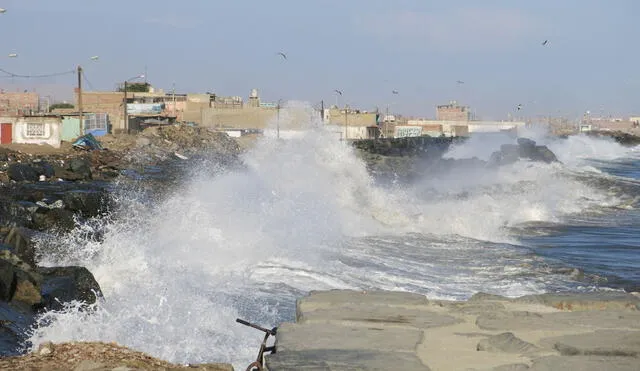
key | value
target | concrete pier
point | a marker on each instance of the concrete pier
(351, 330)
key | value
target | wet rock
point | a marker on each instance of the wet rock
(525, 149)
(64, 284)
(87, 202)
(53, 219)
(20, 241)
(19, 283)
(22, 173)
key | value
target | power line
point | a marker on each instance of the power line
(84, 75)
(12, 75)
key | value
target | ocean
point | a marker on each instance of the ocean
(304, 214)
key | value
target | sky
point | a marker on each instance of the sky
(364, 48)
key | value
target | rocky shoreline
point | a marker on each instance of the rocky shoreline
(47, 192)
(383, 330)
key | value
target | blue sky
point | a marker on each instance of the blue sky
(365, 48)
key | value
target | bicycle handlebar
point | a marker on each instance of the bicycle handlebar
(270, 332)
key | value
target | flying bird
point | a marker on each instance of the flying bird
(13, 55)
(460, 82)
(94, 58)
(394, 92)
(519, 107)
(2, 10)
(338, 91)
(545, 42)
(283, 55)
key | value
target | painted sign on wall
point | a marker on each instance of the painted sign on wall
(408, 131)
(144, 108)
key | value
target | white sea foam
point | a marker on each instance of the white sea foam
(303, 215)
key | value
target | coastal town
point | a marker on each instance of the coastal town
(319, 186)
(28, 118)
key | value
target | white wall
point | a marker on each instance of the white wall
(50, 133)
(353, 132)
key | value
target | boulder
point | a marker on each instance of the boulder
(64, 284)
(18, 282)
(81, 167)
(61, 219)
(87, 202)
(22, 173)
(19, 240)
(525, 149)
(44, 168)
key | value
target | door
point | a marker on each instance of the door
(5, 134)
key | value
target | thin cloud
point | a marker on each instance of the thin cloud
(463, 29)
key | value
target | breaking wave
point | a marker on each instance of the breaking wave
(304, 214)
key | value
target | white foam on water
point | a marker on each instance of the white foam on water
(304, 214)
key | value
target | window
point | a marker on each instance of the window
(35, 129)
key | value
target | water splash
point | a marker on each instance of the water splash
(303, 214)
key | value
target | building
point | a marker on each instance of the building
(18, 104)
(31, 130)
(453, 112)
(352, 124)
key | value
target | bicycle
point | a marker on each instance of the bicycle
(258, 364)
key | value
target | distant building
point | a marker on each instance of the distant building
(19, 104)
(453, 112)
(352, 124)
(31, 130)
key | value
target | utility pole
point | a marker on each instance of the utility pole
(386, 122)
(278, 119)
(126, 112)
(175, 115)
(80, 100)
(322, 111)
(346, 115)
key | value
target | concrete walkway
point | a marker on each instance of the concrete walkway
(350, 330)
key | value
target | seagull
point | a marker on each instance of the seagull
(338, 91)
(394, 92)
(3, 10)
(519, 106)
(94, 58)
(283, 55)
(460, 82)
(545, 42)
(13, 55)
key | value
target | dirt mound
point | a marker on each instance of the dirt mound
(191, 138)
(97, 357)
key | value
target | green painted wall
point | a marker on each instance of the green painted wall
(70, 128)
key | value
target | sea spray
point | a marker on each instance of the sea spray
(301, 214)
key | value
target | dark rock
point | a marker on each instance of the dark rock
(16, 212)
(22, 173)
(87, 202)
(526, 143)
(525, 149)
(60, 219)
(545, 154)
(64, 284)
(20, 241)
(19, 283)
(44, 168)
(81, 167)
(7, 280)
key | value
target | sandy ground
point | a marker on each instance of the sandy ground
(96, 357)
